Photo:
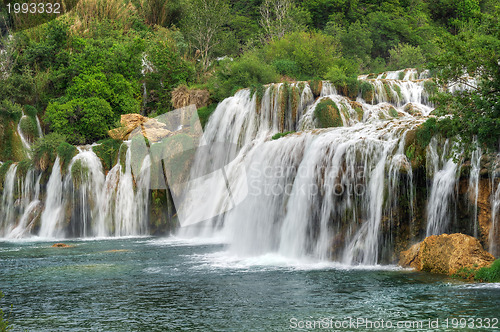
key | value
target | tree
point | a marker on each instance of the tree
(204, 24)
(471, 59)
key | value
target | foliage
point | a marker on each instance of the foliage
(485, 274)
(205, 112)
(46, 149)
(279, 135)
(327, 114)
(204, 24)
(406, 56)
(9, 110)
(312, 52)
(81, 120)
(29, 127)
(107, 150)
(248, 70)
(473, 52)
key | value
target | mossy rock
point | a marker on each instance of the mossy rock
(79, 173)
(107, 151)
(11, 146)
(327, 114)
(316, 87)
(279, 135)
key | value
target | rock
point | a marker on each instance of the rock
(155, 131)
(129, 122)
(446, 254)
(61, 245)
(182, 96)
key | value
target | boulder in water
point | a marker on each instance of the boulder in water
(446, 254)
(61, 245)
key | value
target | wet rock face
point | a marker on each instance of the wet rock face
(446, 254)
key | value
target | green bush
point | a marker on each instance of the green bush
(205, 112)
(29, 127)
(313, 53)
(30, 110)
(327, 114)
(286, 67)
(9, 110)
(406, 56)
(4, 322)
(244, 72)
(82, 120)
(107, 151)
(46, 149)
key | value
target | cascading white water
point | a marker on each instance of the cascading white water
(7, 207)
(444, 170)
(302, 190)
(53, 213)
(473, 189)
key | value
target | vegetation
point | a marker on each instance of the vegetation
(101, 59)
(485, 274)
(327, 114)
(279, 135)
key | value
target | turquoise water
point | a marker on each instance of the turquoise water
(151, 284)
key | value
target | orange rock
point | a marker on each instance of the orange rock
(446, 254)
(61, 245)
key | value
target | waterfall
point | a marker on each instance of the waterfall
(7, 207)
(319, 193)
(444, 170)
(473, 189)
(53, 213)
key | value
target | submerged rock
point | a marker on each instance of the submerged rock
(446, 254)
(61, 245)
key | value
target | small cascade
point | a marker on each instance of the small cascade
(444, 171)
(473, 189)
(53, 213)
(8, 199)
(24, 140)
(495, 212)
(86, 179)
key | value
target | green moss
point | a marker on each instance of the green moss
(107, 151)
(327, 114)
(401, 75)
(24, 166)
(485, 274)
(279, 135)
(398, 91)
(316, 86)
(3, 170)
(393, 112)
(366, 90)
(11, 146)
(79, 173)
(46, 149)
(205, 112)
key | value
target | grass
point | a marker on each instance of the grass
(485, 274)
(279, 135)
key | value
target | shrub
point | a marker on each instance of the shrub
(107, 151)
(327, 114)
(205, 112)
(81, 120)
(46, 149)
(29, 127)
(286, 67)
(244, 72)
(312, 53)
(10, 110)
(406, 56)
